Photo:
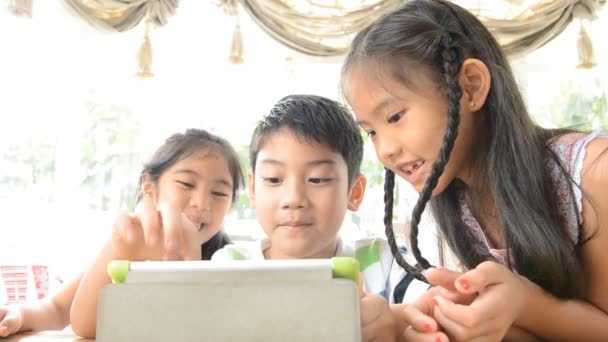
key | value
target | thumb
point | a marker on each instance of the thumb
(3, 330)
(10, 324)
(485, 274)
(442, 277)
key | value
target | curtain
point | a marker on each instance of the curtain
(123, 15)
(325, 28)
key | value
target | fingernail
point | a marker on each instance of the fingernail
(464, 283)
(435, 301)
(437, 339)
(427, 327)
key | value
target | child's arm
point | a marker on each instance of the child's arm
(51, 313)
(582, 320)
(127, 243)
(149, 235)
(83, 315)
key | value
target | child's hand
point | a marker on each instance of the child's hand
(500, 300)
(156, 233)
(377, 321)
(10, 320)
(417, 320)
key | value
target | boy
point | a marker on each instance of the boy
(305, 160)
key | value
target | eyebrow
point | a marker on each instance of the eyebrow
(309, 163)
(385, 102)
(196, 174)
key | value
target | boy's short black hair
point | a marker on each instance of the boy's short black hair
(313, 118)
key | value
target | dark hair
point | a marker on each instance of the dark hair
(433, 38)
(313, 118)
(182, 145)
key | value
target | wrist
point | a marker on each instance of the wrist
(122, 250)
(537, 303)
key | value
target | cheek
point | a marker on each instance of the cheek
(332, 204)
(174, 196)
(427, 141)
(264, 201)
(264, 209)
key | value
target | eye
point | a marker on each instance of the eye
(319, 180)
(219, 194)
(185, 184)
(272, 180)
(395, 117)
(370, 134)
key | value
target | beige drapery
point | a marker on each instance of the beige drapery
(324, 28)
(123, 15)
(315, 28)
(532, 26)
(20, 7)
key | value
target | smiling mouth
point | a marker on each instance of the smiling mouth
(294, 225)
(199, 223)
(412, 167)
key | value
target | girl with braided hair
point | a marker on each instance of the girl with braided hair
(523, 208)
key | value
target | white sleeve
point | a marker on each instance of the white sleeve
(230, 252)
(402, 287)
(381, 273)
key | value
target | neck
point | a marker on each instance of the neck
(475, 171)
(272, 253)
(483, 204)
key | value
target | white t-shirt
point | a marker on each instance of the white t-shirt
(381, 273)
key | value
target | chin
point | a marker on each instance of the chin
(437, 191)
(293, 251)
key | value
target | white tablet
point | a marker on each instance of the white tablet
(247, 300)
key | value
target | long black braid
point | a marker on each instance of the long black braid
(389, 185)
(452, 61)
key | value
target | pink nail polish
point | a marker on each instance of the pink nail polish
(435, 301)
(464, 283)
(427, 327)
(437, 339)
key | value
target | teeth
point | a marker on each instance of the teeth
(412, 167)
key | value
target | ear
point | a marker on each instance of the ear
(148, 187)
(475, 82)
(251, 188)
(357, 191)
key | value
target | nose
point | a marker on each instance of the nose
(294, 196)
(201, 200)
(386, 148)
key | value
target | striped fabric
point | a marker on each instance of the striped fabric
(381, 274)
(20, 283)
(14, 279)
(369, 256)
